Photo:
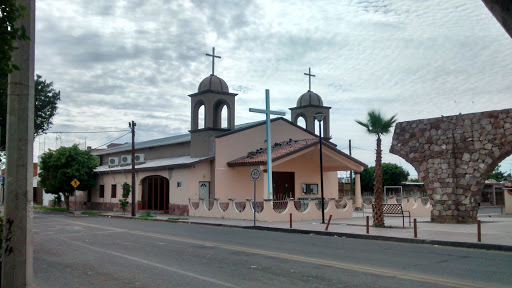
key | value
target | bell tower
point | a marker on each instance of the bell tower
(214, 96)
(308, 105)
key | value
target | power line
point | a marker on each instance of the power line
(87, 132)
(114, 139)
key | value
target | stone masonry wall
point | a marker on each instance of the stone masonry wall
(453, 156)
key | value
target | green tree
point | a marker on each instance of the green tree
(497, 174)
(392, 175)
(126, 193)
(368, 179)
(45, 107)
(59, 167)
(46, 97)
(9, 34)
(377, 125)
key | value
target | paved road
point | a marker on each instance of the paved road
(79, 251)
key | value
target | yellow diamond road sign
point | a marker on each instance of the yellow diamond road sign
(75, 183)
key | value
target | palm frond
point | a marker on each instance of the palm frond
(365, 125)
(377, 124)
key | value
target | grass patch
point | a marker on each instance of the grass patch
(178, 218)
(91, 213)
(44, 208)
(149, 218)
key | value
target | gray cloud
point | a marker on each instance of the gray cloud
(138, 60)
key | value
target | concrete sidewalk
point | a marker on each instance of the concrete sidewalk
(496, 228)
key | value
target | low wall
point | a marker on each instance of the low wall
(508, 200)
(416, 207)
(100, 206)
(228, 210)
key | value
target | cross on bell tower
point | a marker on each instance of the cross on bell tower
(213, 60)
(308, 106)
(309, 75)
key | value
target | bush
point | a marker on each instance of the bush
(123, 203)
(126, 190)
(57, 201)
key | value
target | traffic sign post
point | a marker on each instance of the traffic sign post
(75, 184)
(255, 176)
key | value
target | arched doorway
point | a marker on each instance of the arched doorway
(155, 193)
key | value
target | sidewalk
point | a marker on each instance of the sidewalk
(496, 228)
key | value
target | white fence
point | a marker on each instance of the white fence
(269, 211)
(415, 206)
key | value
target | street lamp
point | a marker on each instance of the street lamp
(320, 118)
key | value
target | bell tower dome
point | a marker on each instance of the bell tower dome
(308, 105)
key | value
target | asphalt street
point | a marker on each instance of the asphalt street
(85, 251)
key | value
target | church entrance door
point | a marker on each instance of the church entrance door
(283, 185)
(155, 193)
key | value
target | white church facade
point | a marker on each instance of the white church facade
(213, 163)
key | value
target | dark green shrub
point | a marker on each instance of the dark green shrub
(57, 201)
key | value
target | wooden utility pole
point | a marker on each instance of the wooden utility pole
(17, 245)
(134, 206)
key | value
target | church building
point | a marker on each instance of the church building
(215, 162)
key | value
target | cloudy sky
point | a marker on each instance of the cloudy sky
(117, 61)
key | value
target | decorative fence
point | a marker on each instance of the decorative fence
(269, 210)
(419, 207)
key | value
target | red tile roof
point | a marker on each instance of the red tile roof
(279, 150)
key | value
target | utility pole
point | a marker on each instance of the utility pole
(134, 206)
(350, 153)
(17, 265)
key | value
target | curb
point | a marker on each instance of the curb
(480, 246)
(171, 221)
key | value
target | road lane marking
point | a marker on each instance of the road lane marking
(194, 275)
(365, 269)
(53, 235)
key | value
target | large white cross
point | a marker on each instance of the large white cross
(268, 112)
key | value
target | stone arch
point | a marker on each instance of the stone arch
(453, 156)
(155, 193)
(308, 112)
(217, 113)
(298, 116)
(195, 114)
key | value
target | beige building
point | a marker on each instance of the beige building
(214, 162)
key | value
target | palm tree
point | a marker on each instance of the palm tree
(376, 124)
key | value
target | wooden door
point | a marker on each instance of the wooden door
(283, 185)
